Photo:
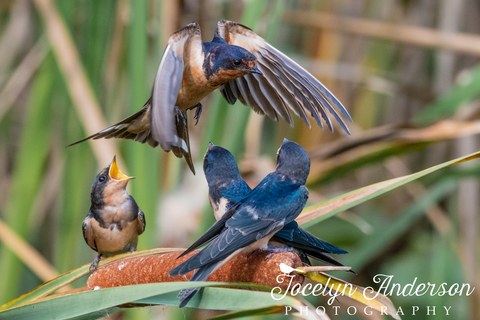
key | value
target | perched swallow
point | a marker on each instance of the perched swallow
(115, 221)
(239, 62)
(226, 187)
(253, 221)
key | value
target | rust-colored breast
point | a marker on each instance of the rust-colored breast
(223, 76)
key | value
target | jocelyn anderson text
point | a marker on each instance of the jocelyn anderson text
(387, 287)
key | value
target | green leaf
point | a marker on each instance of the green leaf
(465, 91)
(382, 238)
(27, 173)
(249, 313)
(67, 278)
(89, 302)
(317, 213)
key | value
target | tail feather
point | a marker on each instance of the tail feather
(317, 249)
(119, 129)
(181, 145)
(186, 295)
(137, 127)
(201, 274)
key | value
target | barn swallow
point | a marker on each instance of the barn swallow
(115, 221)
(226, 187)
(253, 221)
(239, 63)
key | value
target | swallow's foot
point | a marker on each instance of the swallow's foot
(181, 115)
(275, 249)
(95, 262)
(198, 112)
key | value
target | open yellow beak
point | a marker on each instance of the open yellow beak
(115, 173)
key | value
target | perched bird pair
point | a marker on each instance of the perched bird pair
(115, 221)
(257, 217)
(226, 187)
(238, 62)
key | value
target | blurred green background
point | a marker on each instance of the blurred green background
(407, 71)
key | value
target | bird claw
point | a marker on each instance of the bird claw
(198, 112)
(181, 116)
(94, 264)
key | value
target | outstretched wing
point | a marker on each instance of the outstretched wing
(166, 87)
(283, 83)
(158, 122)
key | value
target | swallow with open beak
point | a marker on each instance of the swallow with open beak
(254, 220)
(226, 187)
(239, 63)
(115, 221)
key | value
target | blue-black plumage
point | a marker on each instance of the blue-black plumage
(253, 220)
(226, 186)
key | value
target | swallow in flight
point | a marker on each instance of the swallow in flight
(254, 220)
(239, 63)
(226, 187)
(115, 221)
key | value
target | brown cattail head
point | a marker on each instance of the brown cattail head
(252, 268)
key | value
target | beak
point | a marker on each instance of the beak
(210, 146)
(256, 70)
(115, 172)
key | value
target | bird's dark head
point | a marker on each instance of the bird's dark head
(293, 162)
(228, 62)
(219, 165)
(109, 185)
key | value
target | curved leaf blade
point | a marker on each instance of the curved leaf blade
(67, 278)
(249, 313)
(316, 213)
(88, 302)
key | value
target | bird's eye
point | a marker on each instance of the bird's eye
(236, 62)
(102, 178)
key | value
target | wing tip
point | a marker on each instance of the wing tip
(185, 296)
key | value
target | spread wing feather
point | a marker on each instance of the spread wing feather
(295, 86)
(157, 122)
(169, 124)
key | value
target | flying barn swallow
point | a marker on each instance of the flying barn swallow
(254, 220)
(226, 187)
(115, 221)
(239, 63)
